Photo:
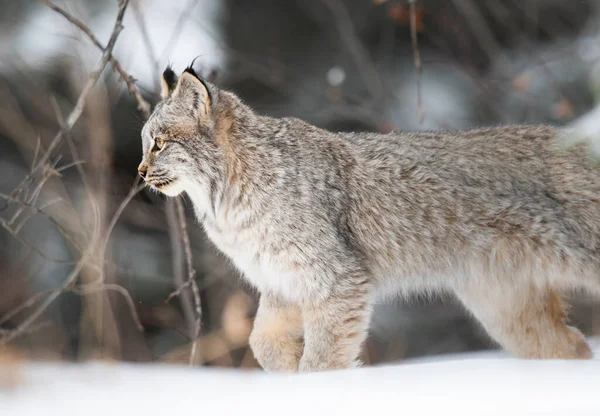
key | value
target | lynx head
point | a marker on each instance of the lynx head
(179, 139)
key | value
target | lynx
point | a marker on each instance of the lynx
(325, 224)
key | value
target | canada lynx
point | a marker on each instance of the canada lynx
(323, 224)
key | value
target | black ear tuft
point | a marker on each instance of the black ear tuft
(170, 78)
(190, 70)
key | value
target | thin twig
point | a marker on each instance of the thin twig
(179, 269)
(47, 302)
(37, 150)
(67, 136)
(86, 289)
(191, 276)
(25, 305)
(32, 211)
(130, 81)
(91, 288)
(32, 247)
(30, 330)
(177, 292)
(41, 211)
(32, 195)
(417, 57)
(70, 165)
(133, 191)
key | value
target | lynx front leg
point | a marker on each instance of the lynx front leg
(276, 339)
(335, 329)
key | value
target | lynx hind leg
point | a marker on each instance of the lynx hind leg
(528, 323)
(277, 336)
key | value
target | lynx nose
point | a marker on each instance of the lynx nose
(142, 170)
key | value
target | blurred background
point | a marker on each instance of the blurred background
(92, 265)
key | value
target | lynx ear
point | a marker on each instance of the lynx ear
(168, 82)
(193, 92)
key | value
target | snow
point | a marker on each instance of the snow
(466, 384)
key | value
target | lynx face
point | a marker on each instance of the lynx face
(179, 151)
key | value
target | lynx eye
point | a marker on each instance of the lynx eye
(159, 144)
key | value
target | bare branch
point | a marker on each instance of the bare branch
(32, 195)
(99, 287)
(191, 278)
(179, 273)
(143, 105)
(47, 302)
(39, 211)
(177, 292)
(82, 26)
(32, 247)
(133, 191)
(25, 305)
(72, 148)
(54, 293)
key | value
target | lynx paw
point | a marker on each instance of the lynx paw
(276, 352)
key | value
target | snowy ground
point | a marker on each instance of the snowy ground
(473, 384)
